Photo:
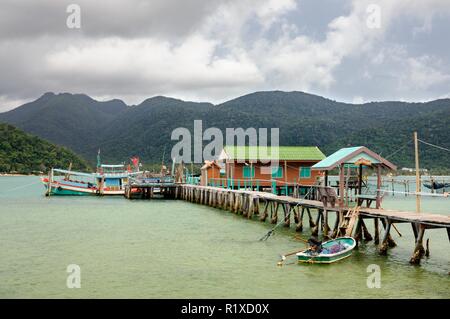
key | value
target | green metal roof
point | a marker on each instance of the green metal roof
(351, 155)
(285, 153)
(336, 157)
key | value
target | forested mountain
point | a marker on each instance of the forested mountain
(85, 125)
(25, 153)
(73, 120)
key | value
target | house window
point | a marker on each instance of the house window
(249, 171)
(305, 172)
(277, 172)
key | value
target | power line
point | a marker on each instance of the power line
(392, 154)
(437, 146)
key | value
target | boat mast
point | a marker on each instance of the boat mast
(416, 149)
(69, 169)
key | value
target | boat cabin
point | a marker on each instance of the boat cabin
(112, 177)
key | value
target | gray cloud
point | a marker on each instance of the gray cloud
(102, 18)
(215, 50)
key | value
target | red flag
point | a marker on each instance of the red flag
(135, 161)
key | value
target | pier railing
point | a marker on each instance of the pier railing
(391, 186)
(269, 185)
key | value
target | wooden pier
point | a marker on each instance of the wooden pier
(349, 221)
(147, 189)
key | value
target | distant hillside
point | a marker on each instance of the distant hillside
(397, 139)
(24, 153)
(85, 125)
(66, 119)
(144, 129)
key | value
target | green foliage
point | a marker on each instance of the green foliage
(24, 153)
(85, 125)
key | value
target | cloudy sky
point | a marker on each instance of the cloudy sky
(214, 50)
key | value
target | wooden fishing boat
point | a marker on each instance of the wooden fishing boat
(110, 180)
(330, 252)
(107, 180)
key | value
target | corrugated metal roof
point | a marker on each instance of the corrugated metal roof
(336, 157)
(288, 153)
(351, 155)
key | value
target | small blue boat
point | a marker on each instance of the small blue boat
(329, 252)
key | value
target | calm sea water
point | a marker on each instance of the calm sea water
(168, 248)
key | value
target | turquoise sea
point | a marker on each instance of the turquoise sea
(175, 249)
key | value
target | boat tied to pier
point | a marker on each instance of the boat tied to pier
(110, 181)
(107, 180)
(328, 252)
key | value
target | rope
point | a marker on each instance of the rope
(270, 232)
(436, 146)
(19, 187)
(398, 150)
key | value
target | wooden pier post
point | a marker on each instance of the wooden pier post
(310, 219)
(415, 228)
(358, 230)
(50, 181)
(287, 219)
(326, 227)
(236, 203)
(256, 212)
(377, 231)
(296, 213)
(274, 215)
(102, 185)
(366, 234)
(390, 241)
(299, 226)
(384, 243)
(231, 201)
(251, 206)
(419, 251)
(315, 230)
(243, 205)
(264, 214)
(335, 232)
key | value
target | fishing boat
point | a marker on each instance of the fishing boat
(107, 180)
(330, 252)
(111, 180)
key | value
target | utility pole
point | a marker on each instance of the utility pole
(416, 149)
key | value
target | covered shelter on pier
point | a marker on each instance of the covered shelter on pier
(354, 157)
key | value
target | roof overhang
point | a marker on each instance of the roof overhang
(64, 171)
(360, 156)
